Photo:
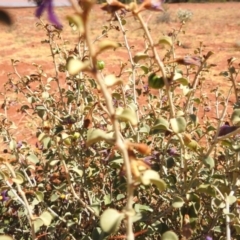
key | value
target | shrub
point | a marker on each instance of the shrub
(105, 166)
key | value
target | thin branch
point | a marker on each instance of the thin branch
(160, 64)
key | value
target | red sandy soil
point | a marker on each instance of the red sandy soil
(217, 25)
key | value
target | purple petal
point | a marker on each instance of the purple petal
(4, 196)
(51, 15)
(172, 151)
(226, 129)
(19, 144)
(157, 5)
(48, 5)
(41, 9)
(208, 238)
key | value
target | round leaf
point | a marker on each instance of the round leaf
(161, 123)
(231, 199)
(177, 202)
(77, 170)
(39, 195)
(206, 188)
(141, 208)
(127, 114)
(144, 129)
(235, 118)
(236, 226)
(148, 175)
(107, 44)
(32, 158)
(159, 183)
(96, 135)
(110, 220)
(209, 162)
(140, 56)
(45, 95)
(19, 178)
(166, 40)
(169, 235)
(12, 144)
(5, 237)
(74, 66)
(54, 162)
(37, 224)
(177, 75)
(178, 124)
(182, 81)
(111, 80)
(151, 176)
(46, 217)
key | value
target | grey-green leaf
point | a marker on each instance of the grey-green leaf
(33, 158)
(127, 114)
(182, 81)
(177, 202)
(39, 195)
(12, 144)
(110, 220)
(178, 124)
(151, 176)
(166, 40)
(141, 208)
(46, 217)
(209, 162)
(169, 235)
(37, 224)
(96, 135)
(139, 56)
(159, 183)
(231, 199)
(74, 66)
(235, 118)
(161, 123)
(110, 80)
(5, 237)
(236, 226)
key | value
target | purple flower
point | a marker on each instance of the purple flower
(154, 157)
(208, 238)
(226, 129)
(152, 5)
(48, 6)
(164, 99)
(4, 197)
(19, 144)
(207, 109)
(157, 5)
(172, 152)
(146, 89)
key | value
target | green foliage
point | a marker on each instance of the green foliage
(105, 165)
